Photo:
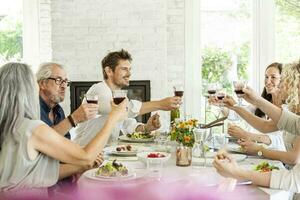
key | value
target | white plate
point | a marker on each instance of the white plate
(144, 156)
(127, 139)
(211, 155)
(91, 174)
(232, 147)
(112, 150)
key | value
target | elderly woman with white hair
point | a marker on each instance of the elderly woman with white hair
(31, 151)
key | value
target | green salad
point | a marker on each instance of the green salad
(112, 169)
(265, 167)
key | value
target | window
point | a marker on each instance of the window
(226, 32)
(11, 43)
(287, 30)
(226, 38)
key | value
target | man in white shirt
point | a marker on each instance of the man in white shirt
(116, 68)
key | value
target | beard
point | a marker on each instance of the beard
(56, 99)
(121, 82)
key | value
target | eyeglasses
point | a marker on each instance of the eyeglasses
(60, 81)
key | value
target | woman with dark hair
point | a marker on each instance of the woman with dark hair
(271, 94)
(288, 92)
(270, 91)
(280, 118)
(32, 153)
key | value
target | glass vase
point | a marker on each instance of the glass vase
(183, 156)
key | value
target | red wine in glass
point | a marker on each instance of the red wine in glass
(178, 93)
(92, 101)
(221, 97)
(211, 92)
(118, 100)
(239, 92)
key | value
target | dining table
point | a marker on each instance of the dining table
(198, 181)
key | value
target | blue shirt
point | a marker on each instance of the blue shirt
(58, 113)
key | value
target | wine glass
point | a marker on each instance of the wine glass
(92, 98)
(220, 96)
(119, 96)
(212, 89)
(178, 91)
(238, 89)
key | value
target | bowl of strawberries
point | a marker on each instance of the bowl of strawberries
(162, 156)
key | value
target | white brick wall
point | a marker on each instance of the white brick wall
(45, 30)
(83, 31)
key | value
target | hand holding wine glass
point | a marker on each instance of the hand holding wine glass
(119, 96)
(92, 99)
(220, 97)
(251, 96)
(238, 89)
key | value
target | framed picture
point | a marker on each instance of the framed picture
(137, 90)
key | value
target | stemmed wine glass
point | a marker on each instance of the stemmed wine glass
(178, 91)
(220, 96)
(212, 89)
(238, 89)
(119, 96)
(92, 98)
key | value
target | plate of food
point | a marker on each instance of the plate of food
(110, 170)
(137, 137)
(163, 156)
(122, 150)
(233, 147)
(265, 167)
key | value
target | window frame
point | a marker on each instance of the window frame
(31, 35)
(262, 53)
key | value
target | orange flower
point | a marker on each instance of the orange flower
(186, 139)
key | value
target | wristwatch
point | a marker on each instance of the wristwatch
(260, 152)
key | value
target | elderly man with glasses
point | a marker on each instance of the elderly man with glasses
(52, 80)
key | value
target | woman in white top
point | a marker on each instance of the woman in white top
(280, 119)
(31, 151)
(270, 93)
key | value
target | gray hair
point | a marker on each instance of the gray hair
(19, 97)
(45, 70)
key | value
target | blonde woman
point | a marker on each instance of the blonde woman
(280, 119)
(31, 151)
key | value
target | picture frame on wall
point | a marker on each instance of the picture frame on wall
(137, 90)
